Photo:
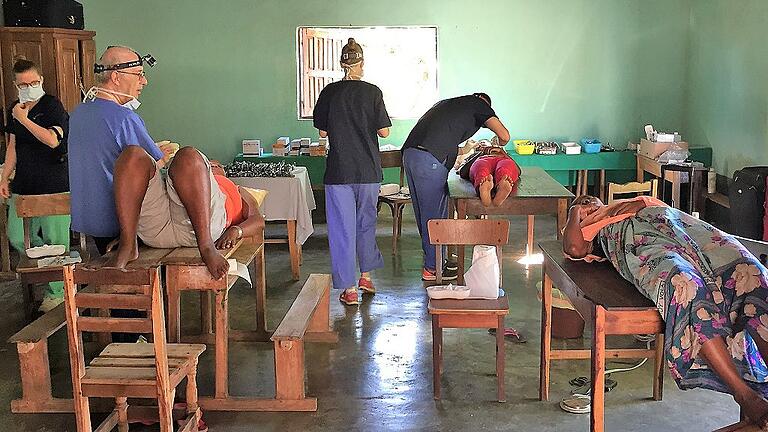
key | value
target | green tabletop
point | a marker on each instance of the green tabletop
(620, 165)
(534, 183)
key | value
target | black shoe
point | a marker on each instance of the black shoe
(451, 265)
(431, 275)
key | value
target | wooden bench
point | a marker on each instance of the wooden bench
(612, 306)
(743, 426)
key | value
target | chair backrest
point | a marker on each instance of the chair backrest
(29, 206)
(442, 232)
(111, 288)
(393, 159)
(650, 188)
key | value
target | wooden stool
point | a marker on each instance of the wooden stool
(469, 313)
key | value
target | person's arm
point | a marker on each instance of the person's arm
(382, 116)
(8, 166)
(251, 223)
(574, 244)
(383, 132)
(45, 135)
(497, 127)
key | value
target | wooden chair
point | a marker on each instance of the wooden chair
(27, 207)
(149, 370)
(649, 188)
(468, 313)
(394, 159)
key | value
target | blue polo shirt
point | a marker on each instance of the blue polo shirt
(98, 132)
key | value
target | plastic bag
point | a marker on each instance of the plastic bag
(675, 154)
(482, 278)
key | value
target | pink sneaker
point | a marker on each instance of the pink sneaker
(349, 297)
(366, 285)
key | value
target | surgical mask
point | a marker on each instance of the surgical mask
(132, 104)
(31, 94)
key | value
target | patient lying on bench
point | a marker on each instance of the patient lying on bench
(189, 207)
(491, 168)
(710, 290)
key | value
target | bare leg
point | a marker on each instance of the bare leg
(503, 189)
(485, 191)
(762, 345)
(191, 179)
(133, 171)
(752, 404)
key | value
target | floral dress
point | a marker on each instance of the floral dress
(704, 283)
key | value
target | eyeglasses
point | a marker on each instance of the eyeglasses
(33, 84)
(141, 74)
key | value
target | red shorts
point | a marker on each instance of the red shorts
(497, 166)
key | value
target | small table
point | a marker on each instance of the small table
(290, 199)
(653, 167)
(535, 193)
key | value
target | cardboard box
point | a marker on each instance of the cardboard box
(653, 150)
(252, 147)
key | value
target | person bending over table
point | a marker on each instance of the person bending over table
(429, 153)
(710, 290)
(352, 114)
(490, 168)
(37, 150)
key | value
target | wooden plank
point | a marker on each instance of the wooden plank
(28, 206)
(121, 375)
(634, 322)
(191, 256)
(222, 345)
(148, 350)
(296, 320)
(42, 327)
(475, 320)
(135, 362)
(585, 354)
(114, 325)
(500, 305)
(148, 258)
(113, 301)
(468, 232)
(88, 274)
(597, 413)
(743, 426)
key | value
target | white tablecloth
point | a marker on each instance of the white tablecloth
(289, 198)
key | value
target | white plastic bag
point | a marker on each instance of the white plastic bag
(482, 278)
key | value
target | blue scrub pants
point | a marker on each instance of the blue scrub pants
(428, 183)
(350, 211)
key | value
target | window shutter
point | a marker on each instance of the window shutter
(320, 66)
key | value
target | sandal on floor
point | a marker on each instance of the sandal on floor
(510, 334)
(576, 404)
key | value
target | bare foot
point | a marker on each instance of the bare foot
(485, 192)
(126, 252)
(216, 263)
(502, 192)
(755, 407)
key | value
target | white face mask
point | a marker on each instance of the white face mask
(132, 104)
(31, 94)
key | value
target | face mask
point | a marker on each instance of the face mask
(31, 94)
(132, 104)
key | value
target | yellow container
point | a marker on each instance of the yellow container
(524, 147)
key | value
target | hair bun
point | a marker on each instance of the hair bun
(351, 41)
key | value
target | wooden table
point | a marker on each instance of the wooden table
(653, 167)
(535, 193)
(185, 271)
(611, 306)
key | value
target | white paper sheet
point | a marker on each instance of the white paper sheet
(239, 270)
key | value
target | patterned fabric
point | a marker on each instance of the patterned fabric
(704, 283)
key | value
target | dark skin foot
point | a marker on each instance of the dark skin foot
(755, 408)
(485, 192)
(126, 252)
(216, 263)
(502, 192)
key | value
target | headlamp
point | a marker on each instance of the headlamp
(148, 59)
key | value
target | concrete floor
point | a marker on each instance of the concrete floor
(379, 376)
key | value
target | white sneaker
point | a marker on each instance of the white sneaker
(46, 251)
(49, 303)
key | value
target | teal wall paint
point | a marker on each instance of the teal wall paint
(727, 95)
(556, 69)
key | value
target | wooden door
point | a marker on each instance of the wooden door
(87, 60)
(68, 72)
(27, 46)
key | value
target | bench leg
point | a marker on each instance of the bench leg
(546, 335)
(500, 353)
(529, 246)
(658, 369)
(35, 371)
(222, 344)
(258, 276)
(319, 328)
(437, 354)
(206, 322)
(395, 217)
(293, 248)
(597, 414)
(289, 369)
(562, 216)
(174, 299)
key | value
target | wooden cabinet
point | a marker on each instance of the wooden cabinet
(65, 57)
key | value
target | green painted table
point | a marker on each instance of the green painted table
(621, 165)
(535, 193)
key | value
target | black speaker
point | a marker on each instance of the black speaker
(747, 196)
(44, 13)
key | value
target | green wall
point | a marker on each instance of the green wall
(557, 69)
(727, 96)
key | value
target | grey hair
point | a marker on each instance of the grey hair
(109, 60)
